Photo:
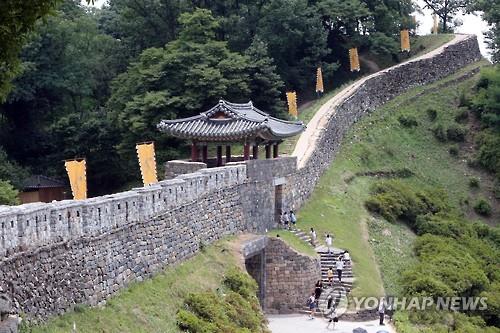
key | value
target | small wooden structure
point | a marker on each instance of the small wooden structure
(38, 188)
(230, 123)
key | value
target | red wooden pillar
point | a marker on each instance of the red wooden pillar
(255, 152)
(246, 152)
(268, 151)
(194, 152)
(219, 155)
(275, 150)
(228, 154)
(204, 153)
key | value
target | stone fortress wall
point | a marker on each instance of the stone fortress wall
(56, 255)
(372, 93)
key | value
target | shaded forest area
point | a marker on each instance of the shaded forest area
(93, 82)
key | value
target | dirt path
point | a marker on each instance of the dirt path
(309, 138)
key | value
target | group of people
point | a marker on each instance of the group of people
(313, 301)
(339, 267)
(288, 220)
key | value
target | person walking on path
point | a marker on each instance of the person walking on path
(330, 275)
(329, 243)
(311, 301)
(318, 289)
(313, 237)
(339, 265)
(347, 256)
(381, 310)
(332, 317)
(293, 219)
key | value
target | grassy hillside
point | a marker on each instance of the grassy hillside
(152, 305)
(379, 144)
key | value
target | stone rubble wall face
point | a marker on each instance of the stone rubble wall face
(372, 94)
(93, 248)
(290, 278)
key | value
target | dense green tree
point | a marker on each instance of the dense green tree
(446, 10)
(67, 67)
(11, 171)
(17, 19)
(188, 75)
(490, 11)
(296, 40)
(265, 84)
(8, 195)
(141, 24)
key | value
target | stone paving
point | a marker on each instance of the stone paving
(301, 323)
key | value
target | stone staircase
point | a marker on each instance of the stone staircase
(328, 260)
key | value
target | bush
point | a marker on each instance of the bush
(456, 133)
(483, 207)
(440, 132)
(236, 310)
(432, 114)
(394, 200)
(8, 195)
(489, 151)
(453, 150)
(474, 182)
(462, 116)
(408, 121)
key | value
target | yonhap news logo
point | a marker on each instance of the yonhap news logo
(337, 298)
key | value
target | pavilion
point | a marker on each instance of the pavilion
(230, 123)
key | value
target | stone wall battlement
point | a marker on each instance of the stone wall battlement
(32, 225)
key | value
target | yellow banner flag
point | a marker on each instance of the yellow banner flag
(405, 40)
(291, 98)
(77, 175)
(147, 162)
(319, 81)
(435, 27)
(354, 60)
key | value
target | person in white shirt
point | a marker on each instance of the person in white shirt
(313, 237)
(381, 310)
(339, 265)
(329, 243)
(347, 256)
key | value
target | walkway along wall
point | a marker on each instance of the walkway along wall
(371, 94)
(81, 252)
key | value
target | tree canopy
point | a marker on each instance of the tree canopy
(93, 82)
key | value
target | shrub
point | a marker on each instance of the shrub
(456, 133)
(365, 154)
(462, 99)
(240, 283)
(432, 114)
(462, 116)
(453, 150)
(489, 151)
(474, 182)
(8, 195)
(483, 207)
(408, 121)
(394, 200)
(440, 132)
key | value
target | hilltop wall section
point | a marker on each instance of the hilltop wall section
(56, 255)
(373, 93)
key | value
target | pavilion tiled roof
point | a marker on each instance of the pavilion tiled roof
(231, 122)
